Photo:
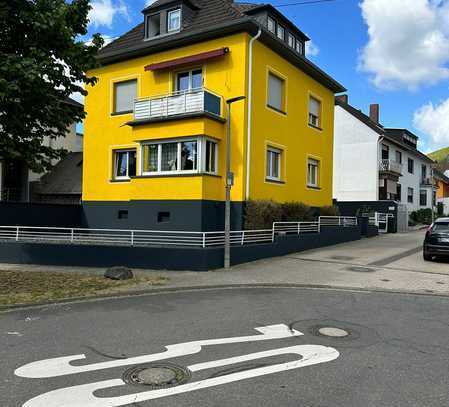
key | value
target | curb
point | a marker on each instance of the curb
(170, 290)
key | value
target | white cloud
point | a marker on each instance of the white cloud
(311, 49)
(408, 42)
(103, 12)
(433, 120)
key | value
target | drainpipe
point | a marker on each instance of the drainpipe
(250, 99)
(381, 138)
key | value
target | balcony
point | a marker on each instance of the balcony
(391, 167)
(428, 182)
(177, 105)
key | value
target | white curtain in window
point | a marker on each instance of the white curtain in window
(125, 93)
(275, 91)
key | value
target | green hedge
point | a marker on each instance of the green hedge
(261, 214)
(423, 216)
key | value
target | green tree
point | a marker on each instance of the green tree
(42, 62)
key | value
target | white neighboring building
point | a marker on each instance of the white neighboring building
(372, 163)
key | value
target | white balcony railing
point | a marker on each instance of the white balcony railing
(390, 166)
(177, 103)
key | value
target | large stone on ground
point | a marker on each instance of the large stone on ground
(119, 273)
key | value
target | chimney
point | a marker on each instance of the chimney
(374, 113)
(342, 98)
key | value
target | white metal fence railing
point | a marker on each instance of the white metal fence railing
(338, 221)
(120, 237)
(295, 227)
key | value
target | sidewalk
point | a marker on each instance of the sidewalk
(389, 262)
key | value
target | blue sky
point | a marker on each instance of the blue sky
(391, 52)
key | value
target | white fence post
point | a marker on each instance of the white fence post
(17, 234)
(132, 237)
(71, 235)
(243, 238)
(299, 228)
(204, 239)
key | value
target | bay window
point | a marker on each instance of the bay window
(179, 156)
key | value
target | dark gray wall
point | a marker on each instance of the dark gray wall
(184, 215)
(350, 208)
(167, 258)
(36, 214)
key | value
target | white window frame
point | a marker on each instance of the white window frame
(204, 169)
(147, 17)
(311, 115)
(190, 72)
(299, 47)
(269, 164)
(115, 167)
(272, 20)
(201, 156)
(292, 40)
(315, 163)
(178, 10)
(280, 29)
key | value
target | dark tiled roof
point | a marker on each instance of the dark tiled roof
(395, 136)
(65, 178)
(358, 114)
(72, 102)
(212, 19)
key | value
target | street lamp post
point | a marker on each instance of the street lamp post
(229, 184)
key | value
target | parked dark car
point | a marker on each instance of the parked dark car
(436, 242)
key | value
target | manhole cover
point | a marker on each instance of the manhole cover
(333, 332)
(157, 376)
(361, 269)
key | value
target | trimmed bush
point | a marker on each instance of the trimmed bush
(262, 214)
(296, 212)
(329, 211)
(423, 216)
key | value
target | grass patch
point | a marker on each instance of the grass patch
(27, 287)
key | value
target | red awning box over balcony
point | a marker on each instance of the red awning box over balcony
(204, 56)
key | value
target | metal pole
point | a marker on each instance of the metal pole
(229, 183)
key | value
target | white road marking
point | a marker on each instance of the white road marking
(83, 395)
(61, 366)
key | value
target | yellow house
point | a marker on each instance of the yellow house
(155, 133)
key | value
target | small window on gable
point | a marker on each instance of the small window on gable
(153, 26)
(271, 25)
(299, 47)
(174, 20)
(281, 32)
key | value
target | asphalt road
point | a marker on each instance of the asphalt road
(397, 352)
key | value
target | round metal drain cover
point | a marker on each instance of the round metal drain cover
(333, 332)
(157, 376)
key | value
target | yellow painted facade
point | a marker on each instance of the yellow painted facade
(227, 76)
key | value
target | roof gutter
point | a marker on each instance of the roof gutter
(250, 98)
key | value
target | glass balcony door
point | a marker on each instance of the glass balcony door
(189, 80)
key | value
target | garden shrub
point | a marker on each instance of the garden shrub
(329, 211)
(423, 216)
(261, 214)
(296, 212)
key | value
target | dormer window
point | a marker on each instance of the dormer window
(291, 41)
(153, 25)
(271, 25)
(174, 20)
(299, 47)
(281, 32)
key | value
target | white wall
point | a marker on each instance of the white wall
(408, 180)
(355, 159)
